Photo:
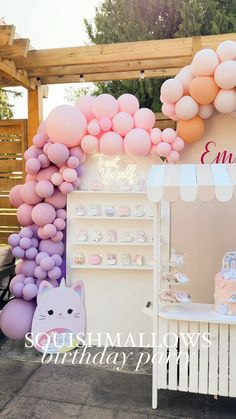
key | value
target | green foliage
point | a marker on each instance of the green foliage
(135, 20)
(6, 108)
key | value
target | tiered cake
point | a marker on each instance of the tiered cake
(225, 286)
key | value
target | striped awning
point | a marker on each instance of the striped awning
(191, 181)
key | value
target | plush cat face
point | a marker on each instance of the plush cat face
(60, 311)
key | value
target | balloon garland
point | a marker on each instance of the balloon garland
(206, 85)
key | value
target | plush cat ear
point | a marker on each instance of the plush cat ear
(44, 287)
(79, 288)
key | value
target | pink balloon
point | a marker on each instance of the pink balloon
(15, 196)
(29, 280)
(76, 183)
(153, 150)
(30, 291)
(168, 109)
(51, 247)
(59, 223)
(28, 267)
(42, 129)
(73, 162)
(173, 157)
(40, 140)
(69, 175)
(44, 160)
(178, 144)
(24, 214)
(144, 118)
(156, 135)
(16, 280)
(46, 146)
(111, 144)
(32, 152)
(77, 152)
(186, 108)
(105, 105)
(16, 318)
(66, 187)
(163, 149)
(204, 62)
(84, 104)
(32, 166)
(58, 237)
(226, 50)
(122, 123)
(93, 127)
(185, 76)
(128, 103)
(105, 124)
(57, 179)
(89, 144)
(58, 153)
(29, 194)
(66, 124)
(57, 200)
(49, 230)
(225, 101)
(137, 142)
(44, 188)
(172, 90)
(45, 174)
(43, 214)
(168, 135)
(30, 178)
(61, 213)
(225, 74)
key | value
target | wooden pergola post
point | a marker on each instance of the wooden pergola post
(35, 111)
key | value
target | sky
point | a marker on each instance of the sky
(48, 24)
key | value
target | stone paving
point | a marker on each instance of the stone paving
(29, 389)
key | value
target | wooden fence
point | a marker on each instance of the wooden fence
(13, 143)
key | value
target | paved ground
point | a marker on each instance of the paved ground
(29, 389)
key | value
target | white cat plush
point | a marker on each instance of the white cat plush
(59, 319)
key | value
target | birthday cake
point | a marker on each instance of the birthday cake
(225, 286)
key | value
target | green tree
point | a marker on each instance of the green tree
(135, 20)
(6, 107)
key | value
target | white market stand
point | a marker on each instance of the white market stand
(210, 370)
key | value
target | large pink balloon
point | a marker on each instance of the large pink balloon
(105, 105)
(172, 90)
(89, 144)
(128, 103)
(66, 124)
(57, 200)
(137, 142)
(186, 108)
(204, 62)
(84, 104)
(43, 214)
(29, 194)
(45, 174)
(144, 118)
(111, 144)
(226, 50)
(52, 248)
(225, 101)
(16, 318)
(15, 196)
(122, 123)
(225, 74)
(24, 214)
(58, 153)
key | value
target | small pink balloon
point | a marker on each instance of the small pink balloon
(28, 267)
(46, 146)
(29, 194)
(111, 144)
(84, 104)
(41, 233)
(128, 103)
(32, 152)
(62, 168)
(144, 118)
(31, 253)
(163, 149)
(76, 183)
(58, 237)
(18, 252)
(69, 175)
(105, 124)
(45, 174)
(104, 105)
(57, 179)
(30, 178)
(122, 123)
(55, 273)
(178, 144)
(168, 135)
(44, 161)
(40, 273)
(32, 166)
(43, 214)
(73, 162)
(51, 247)
(47, 263)
(89, 144)
(137, 142)
(61, 213)
(24, 214)
(59, 223)
(49, 230)
(40, 140)
(25, 243)
(17, 290)
(66, 188)
(173, 157)
(168, 109)
(57, 200)
(30, 291)
(58, 153)
(15, 196)
(185, 76)
(225, 101)
(77, 152)
(40, 256)
(156, 135)
(93, 127)
(66, 124)
(44, 188)
(153, 150)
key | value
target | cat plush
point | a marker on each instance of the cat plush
(59, 320)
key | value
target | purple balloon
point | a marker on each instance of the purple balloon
(39, 140)
(14, 239)
(31, 253)
(18, 252)
(47, 263)
(17, 290)
(28, 267)
(51, 247)
(63, 269)
(18, 267)
(26, 232)
(55, 273)
(16, 318)
(57, 260)
(25, 243)
(40, 256)
(30, 291)
(29, 280)
(34, 242)
(17, 279)
(40, 273)
(38, 282)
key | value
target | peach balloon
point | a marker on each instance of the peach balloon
(226, 50)
(172, 90)
(84, 104)
(144, 118)
(186, 108)
(111, 144)
(105, 105)
(225, 74)
(205, 111)
(128, 103)
(192, 130)
(225, 101)
(185, 76)
(203, 89)
(122, 123)
(204, 62)
(89, 144)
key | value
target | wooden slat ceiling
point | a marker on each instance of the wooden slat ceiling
(20, 65)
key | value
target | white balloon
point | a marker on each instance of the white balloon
(204, 62)
(171, 90)
(185, 76)
(227, 50)
(225, 101)
(225, 74)
(186, 108)
(205, 111)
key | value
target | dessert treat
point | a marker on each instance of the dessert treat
(124, 211)
(111, 235)
(94, 259)
(79, 259)
(82, 235)
(110, 211)
(225, 286)
(174, 278)
(140, 236)
(139, 211)
(94, 210)
(127, 236)
(80, 210)
(111, 259)
(125, 259)
(172, 296)
(95, 236)
(138, 260)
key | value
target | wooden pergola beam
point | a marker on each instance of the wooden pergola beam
(19, 48)
(7, 33)
(16, 77)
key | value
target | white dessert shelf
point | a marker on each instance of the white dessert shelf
(100, 243)
(95, 218)
(205, 364)
(112, 267)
